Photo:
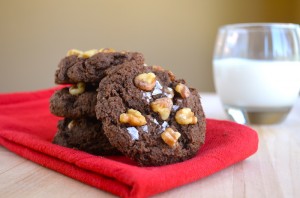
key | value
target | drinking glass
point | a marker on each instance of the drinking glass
(256, 70)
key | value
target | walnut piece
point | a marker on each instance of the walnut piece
(145, 81)
(88, 54)
(171, 76)
(185, 116)
(106, 50)
(158, 68)
(77, 89)
(133, 118)
(71, 124)
(170, 137)
(74, 52)
(183, 90)
(163, 107)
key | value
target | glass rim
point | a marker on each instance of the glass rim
(259, 25)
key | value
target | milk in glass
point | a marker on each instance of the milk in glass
(257, 85)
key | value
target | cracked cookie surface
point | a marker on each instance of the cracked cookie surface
(123, 103)
(73, 68)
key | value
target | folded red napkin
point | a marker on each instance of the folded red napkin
(27, 128)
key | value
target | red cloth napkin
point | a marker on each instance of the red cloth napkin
(27, 128)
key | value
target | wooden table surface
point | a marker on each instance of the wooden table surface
(274, 171)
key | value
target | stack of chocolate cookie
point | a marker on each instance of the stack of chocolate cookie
(82, 71)
(116, 104)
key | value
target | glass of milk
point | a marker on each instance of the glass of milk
(257, 70)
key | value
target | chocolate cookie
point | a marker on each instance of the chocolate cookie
(69, 102)
(89, 66)
(149, 115)
(85, 135)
